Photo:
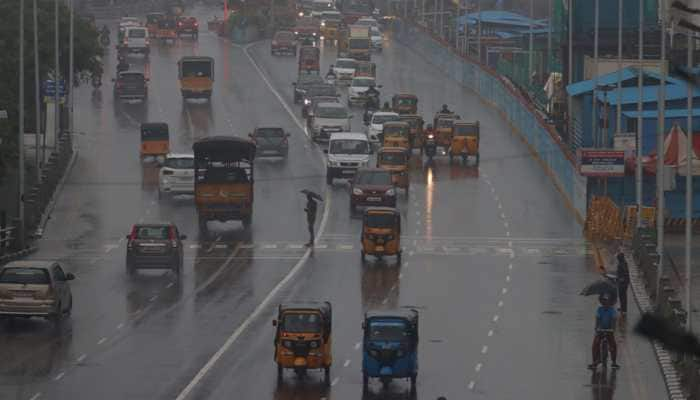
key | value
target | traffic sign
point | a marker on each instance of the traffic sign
(3, 114)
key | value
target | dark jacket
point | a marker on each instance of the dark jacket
(623, 272)
(311, 208)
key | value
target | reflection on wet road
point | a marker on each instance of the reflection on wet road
(492, 260)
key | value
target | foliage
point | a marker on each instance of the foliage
(87, 59)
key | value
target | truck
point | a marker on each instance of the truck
(359, 42)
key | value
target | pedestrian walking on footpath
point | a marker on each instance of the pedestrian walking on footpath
(623, 281)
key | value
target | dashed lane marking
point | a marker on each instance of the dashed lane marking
(477, 368)
(36, 396)
(101, 341)
(357, 345)
(490, 333)
(169, 285)
(335, 381)
(120, 326)
(484, 349)
(81, 358)
(500, 303)
(59, 376)
(495, 318)
(346, 363)
(471, 385)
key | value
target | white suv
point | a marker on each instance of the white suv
(376, 124)
(136, 40)
(176, 176)
(347, 151)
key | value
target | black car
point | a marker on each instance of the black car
(130, 85)
(154, 246)
(324, 89)
(303, 83)
(270, 141)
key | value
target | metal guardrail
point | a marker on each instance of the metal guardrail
(6, 239)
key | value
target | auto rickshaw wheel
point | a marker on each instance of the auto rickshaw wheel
(327, 375)
(365, 382)
(280, 373)
(247, 221)
(363, 256)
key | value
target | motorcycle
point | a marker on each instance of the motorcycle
(330, 79)
(430, 146)
(96, 81)
(104, 40)
(123, 65)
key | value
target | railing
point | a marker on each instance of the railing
(6, 239)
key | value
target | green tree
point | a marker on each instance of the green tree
(87, 59)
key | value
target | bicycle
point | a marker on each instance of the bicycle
(604, 346)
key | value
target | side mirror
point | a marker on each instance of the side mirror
(183, 237)
(274, 322)
(70, 276)
(128, 236)
(294, 83)
(325, 151)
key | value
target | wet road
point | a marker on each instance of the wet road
(493, 259)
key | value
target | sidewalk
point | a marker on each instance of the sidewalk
(675, 269)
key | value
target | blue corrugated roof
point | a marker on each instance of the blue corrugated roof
(674, 91)
(581, 87)
(654, 114)
(504, 18)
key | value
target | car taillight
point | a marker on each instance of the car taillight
(132, 236)
(196, 24)
(167, 172)
(274, 43)
(179, 24)
(172, 236)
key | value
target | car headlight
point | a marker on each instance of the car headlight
(313, 344)
(323, 24)
(307, 102)
(287, 344)
(356, 191)
(314, 34)
(301, 15)
(431, 136)
(391, 192)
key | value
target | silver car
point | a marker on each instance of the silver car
(327, 118)
(270, 141)
(35, 289)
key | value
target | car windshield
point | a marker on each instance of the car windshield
(25, 276)
(301, 323)
(388, 331)
(284, 36)
(412, 122)
(362, 82)
(382, 178)
(331, 112)
(466, 130)
(394, 131)
(179, 163)
(382, 118)
(138, 33)
(331, 17)
(269, 132)
(349, 64)
(407, 101)
(445, 123)
(321, 6)
(151, 232)
(359, 43)
(132, 77)
(384, 220)
(196, 69)
(325, 90)
(349, 146)
(309, 80)
(393, 158)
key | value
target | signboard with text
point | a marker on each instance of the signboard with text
(601, 162)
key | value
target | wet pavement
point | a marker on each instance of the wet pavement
(493, 259)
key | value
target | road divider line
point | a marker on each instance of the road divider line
(335, 381)
(59, 376)
(490, 333)
(36, 396)
(346, 363)
(484, 349)
(478, 367)
(81, 358)
(500, 303)
(101, 341)
(471, 385)
(495, 318)
(357, 345)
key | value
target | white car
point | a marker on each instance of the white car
(376, 124)
(344, 69)
(358, 86)
(367, 21)
(327, 118)
(136, 40)
(377, 38)
(347, 152)
(176, 176)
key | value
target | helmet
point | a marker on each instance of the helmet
(444, 106)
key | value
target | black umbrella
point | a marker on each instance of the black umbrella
(313, 194)
(599, 287)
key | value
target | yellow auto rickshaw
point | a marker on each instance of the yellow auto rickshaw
(155, 140)
(196, 74)
(167, 29)
(396, 134)
(404, 103)
(395, 159)
(465, 141)
(381, 233)
(443, 126)
(303, 338)
(415, 132)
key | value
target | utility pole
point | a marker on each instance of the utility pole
(594, 121)
(57, 77)
(71, 71)
(37, 95)
(660, 156)
(618, 117)
(689, 190)
(20, 138)
(640, 120)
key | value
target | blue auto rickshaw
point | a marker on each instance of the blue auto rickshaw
(390, 346)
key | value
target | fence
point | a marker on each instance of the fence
(514, 106)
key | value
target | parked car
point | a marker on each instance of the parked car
(270, 141)
(187, 26)
(154, 246)
(302, 84)
(176, 176)
(131, 85)
(372, 187)
(35, 289)
(327, 118)
(283, 42)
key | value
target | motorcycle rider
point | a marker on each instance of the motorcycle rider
(104, 35)
(372, 95)
(386, 106)
(445, 109)
(330, 76)
(605, 321)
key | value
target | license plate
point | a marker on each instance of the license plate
(348, 171)
(374, 199)
(379, 248)
(23, 294)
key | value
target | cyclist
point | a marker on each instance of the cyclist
(605, 320)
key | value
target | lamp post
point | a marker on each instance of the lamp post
(20, 138)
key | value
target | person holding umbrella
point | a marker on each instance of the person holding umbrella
(311, 208)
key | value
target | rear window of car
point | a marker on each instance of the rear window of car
(152, 232)
(332, 112)
(269, 132)
(373, 178)
(138, 33)
(284, 36)
(321, 91)
(132, 77)
(179, 163)
(345, 64)
(25, 276)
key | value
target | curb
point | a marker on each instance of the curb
(663, 357)
(54, 198)
(18, 254)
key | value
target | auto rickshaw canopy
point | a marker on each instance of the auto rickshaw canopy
(381, 217)
(408, 315)
(195, 66)
(322, 307)
(151, 131)
(153, 18)
(469, 129)
(404, 99)
(396, 128)
(224, 149)
(393, 156)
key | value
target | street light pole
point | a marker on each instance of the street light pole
(689, 189)
(70, 69)
(37, 98)
(660, 156)
(20, 138)
(618, 117)
(640, 120)
(57, 77)
(529, 60)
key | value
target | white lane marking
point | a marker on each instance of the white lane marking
(386, 300)
(401, 276)
(153, 298)
(296, 246)
(508, 233)
(478, 367)
(259, 309)
(493, 189)
(393, 287)
(59, 376)
(120, 326)
(505, 224)
(471, 385)
(490, 332)
(484, 349)
(512, 255)
(500, 303)
(36, 396)
(195, 246)
(504, 290)
(221, 246)
(335, 381)
(503, 216)
(269, 246)
(495, 318)
(510, 243)
(510, 266)
(345, 246)
(110, 247)
(104, 339)
(81, 358)
(346, 363)
(488, 181)
(357, 345)
(418, 222)
(410, 254)
(507, 278)
(496, 197)
(169, 285)
(500, 206)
